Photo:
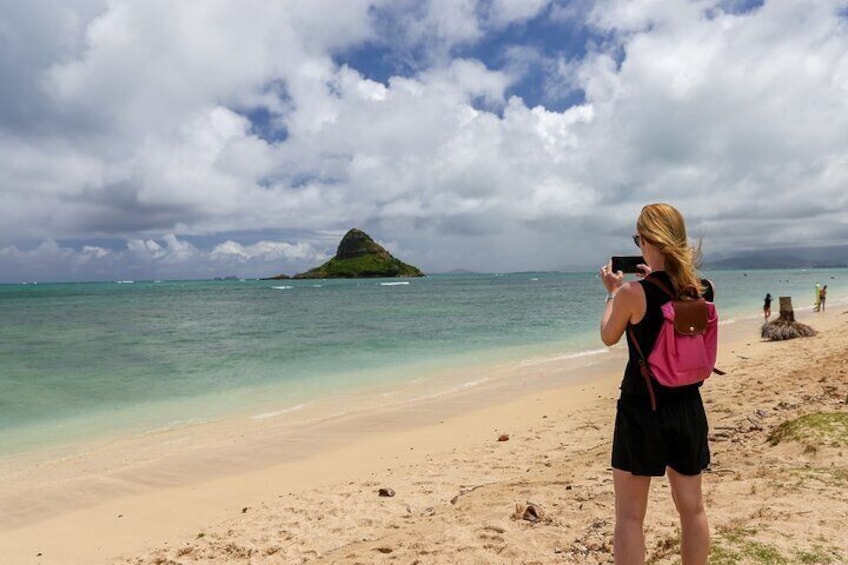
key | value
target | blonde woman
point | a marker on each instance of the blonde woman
(671, 440)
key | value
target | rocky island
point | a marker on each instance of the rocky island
(359, 256)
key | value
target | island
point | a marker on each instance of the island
(359, 256)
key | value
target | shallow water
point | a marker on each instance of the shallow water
(91, 359)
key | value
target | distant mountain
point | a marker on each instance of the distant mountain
(785, 258)
(359, 256)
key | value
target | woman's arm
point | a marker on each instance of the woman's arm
(619, 311)
(623, 302)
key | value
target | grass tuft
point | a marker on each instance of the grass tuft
(734, 545)
(818, 556)
(814, 430)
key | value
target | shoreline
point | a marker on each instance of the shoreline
(179, 456)
(205, 404)
(440, 377)
(435, 395)
(134, 508)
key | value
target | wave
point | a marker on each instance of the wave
(565, 357)
(393, 283)
(458, 388)
(275, 413)
(282, 287)
(173, 425)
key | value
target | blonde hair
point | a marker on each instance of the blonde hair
(663, 226)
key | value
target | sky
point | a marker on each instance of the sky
(152, 139)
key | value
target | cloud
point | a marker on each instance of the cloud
(269, 251)
(142, 136)
(505, 12)
(165, 258)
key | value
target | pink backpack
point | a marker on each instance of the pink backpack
(686, 347)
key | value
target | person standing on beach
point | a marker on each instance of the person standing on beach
(673, 439)
(767, 307)
(822, 297)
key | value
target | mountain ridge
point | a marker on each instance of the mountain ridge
(835, 256)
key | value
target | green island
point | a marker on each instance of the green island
(359, 256)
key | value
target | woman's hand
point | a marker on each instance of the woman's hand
(619, 304)
(644, 270)
(611, 280)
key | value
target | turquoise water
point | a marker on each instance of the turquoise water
(88, 359)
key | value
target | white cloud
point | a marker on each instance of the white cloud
(266, 251)
(90, 252)
(448, 21)
(126, 121)
(168, 257)
(510, 11)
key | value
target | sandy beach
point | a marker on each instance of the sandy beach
(462, 471)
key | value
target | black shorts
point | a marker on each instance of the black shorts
(646, 442)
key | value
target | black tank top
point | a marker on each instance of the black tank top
(633, 385)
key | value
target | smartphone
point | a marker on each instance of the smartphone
(627, 264)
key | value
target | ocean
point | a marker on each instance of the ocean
(93, 360)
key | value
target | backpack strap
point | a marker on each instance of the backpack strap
(644, 370)
(659, 284)
(673, 295)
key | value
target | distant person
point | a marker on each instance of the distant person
(671, 440)
(817, 303)
(767, 307)
(822, 297)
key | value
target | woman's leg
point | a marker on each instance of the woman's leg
(695, 531)
(631, 503)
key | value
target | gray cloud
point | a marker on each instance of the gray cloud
(129, 122)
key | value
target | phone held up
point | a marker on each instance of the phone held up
(627, 264)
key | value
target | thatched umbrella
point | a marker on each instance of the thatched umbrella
(785, 327)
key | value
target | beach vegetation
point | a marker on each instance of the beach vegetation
(723, 555)
(734, 545)
(724, 546)
(818, 556)
(764, 553)
(829, 476)
(817, 429)
(737, 535)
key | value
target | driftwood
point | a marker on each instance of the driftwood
(785, 326)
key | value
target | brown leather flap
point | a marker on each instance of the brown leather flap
(690, 316)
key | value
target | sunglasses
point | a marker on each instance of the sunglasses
(637, 239)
